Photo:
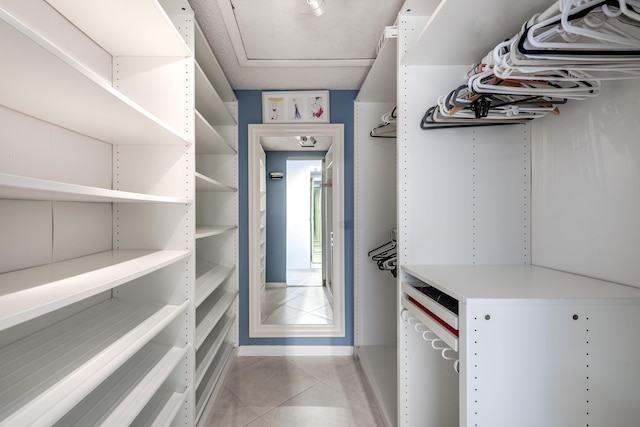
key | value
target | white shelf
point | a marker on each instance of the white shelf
(69, 95)
(204, 183)
(119, 400)
(209, 348)
(212, 379)
(208, 277)
(144, 30)
(26, 294)
(161, 410)
(25, 188)
(209, 314)
(208, 140)
(461, 32)
(208, 102)
(51, 371)
(211, 67)
(381, 81)
(213, 230)
(482, 283)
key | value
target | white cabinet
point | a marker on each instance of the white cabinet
(533, 346)
(98, 183)
(481, 212)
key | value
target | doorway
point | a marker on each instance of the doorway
(322, 247)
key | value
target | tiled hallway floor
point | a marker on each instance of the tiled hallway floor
(296, 391)
(296, 305)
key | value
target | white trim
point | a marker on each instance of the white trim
(294, 350)
(273, 285)
(256, 133)
(238, 47)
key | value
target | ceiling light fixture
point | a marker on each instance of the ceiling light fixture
(318, 7)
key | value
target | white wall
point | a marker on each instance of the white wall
(586, 186)
(299, 212)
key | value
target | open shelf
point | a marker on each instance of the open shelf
(461, 32)
(208, 140)
(26, 294)
(208, 102)
(62, 94)
(204, 183)
(144, 30)
(120, 399)
(161, 410)
(209, 314)
(211, 68)
(212, 377)
(25, 188)
(51, 371)
(380, 83)
(209, 348)
(213, 230)
(208, 277)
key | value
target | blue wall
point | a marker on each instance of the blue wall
(250, 112)
(276, 249)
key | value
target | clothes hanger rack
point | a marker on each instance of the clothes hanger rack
(560, 54)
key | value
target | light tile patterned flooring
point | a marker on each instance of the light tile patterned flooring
(302, 302)
(296, 391)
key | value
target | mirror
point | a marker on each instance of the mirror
(312, 254)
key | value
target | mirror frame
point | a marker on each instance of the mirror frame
(256, 328)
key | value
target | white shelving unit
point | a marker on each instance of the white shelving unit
(217, 227)
(481, 213)
(375, 180)
(101, 293)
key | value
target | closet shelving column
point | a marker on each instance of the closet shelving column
(96, 285)
(217, 223)
(375, 180)
(464, 194)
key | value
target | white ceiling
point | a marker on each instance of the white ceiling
(280, 44)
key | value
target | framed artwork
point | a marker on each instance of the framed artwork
(295, 107)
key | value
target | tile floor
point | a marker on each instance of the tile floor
(296, 391)
(296, 305)
(302, 301)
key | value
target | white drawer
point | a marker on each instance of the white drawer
(446, 315)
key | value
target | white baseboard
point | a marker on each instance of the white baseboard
(271, 285)
(294, 350)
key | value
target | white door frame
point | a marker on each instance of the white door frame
(256, 328)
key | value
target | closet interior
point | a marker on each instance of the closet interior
(118, 176)
(516, 297)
